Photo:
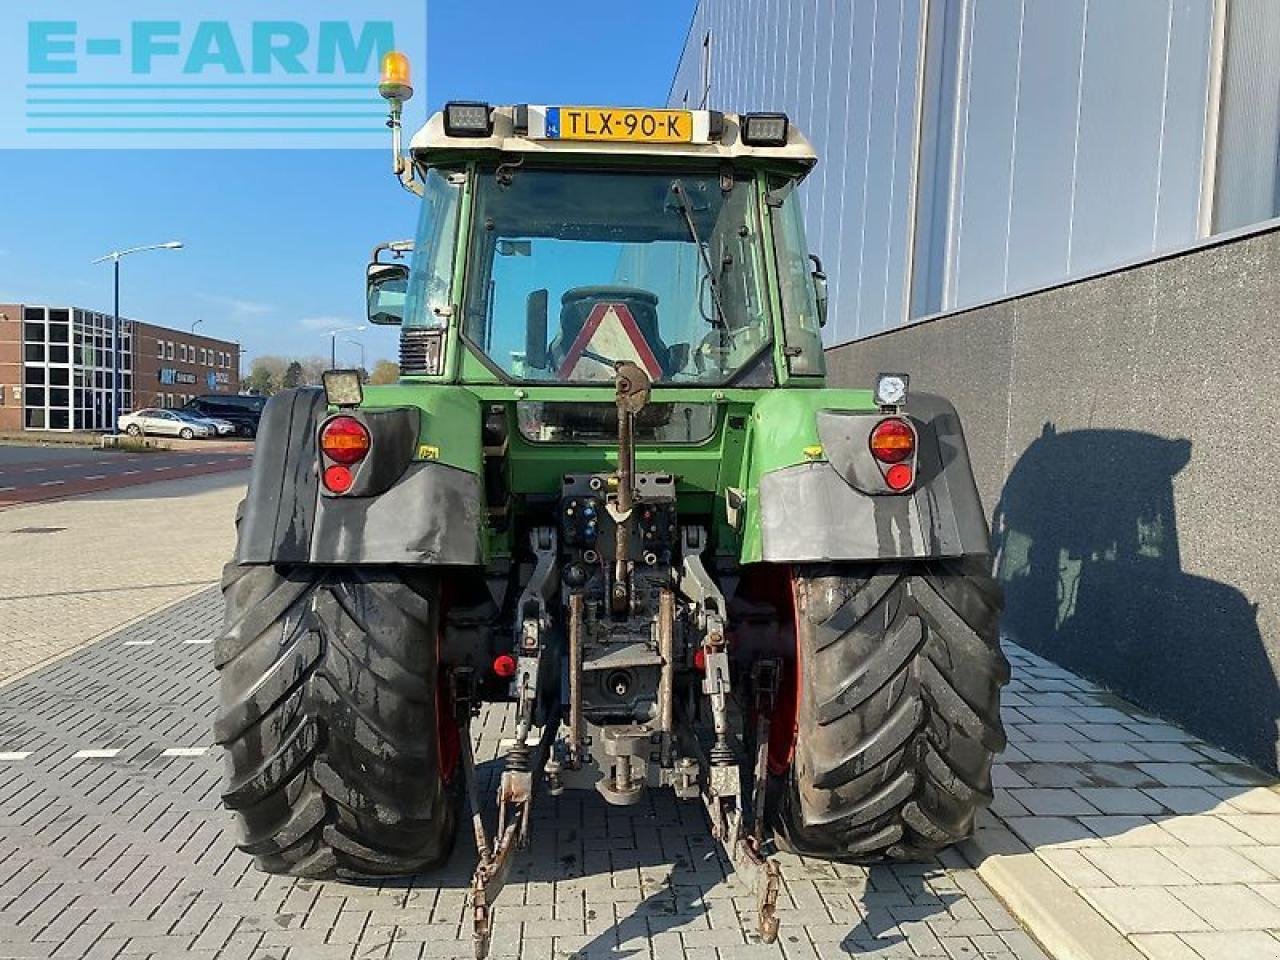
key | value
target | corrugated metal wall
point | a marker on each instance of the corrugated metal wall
(1057, 137)
(845, 72)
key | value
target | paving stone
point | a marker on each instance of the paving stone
(1120, 800)
(1215, 865)
(1164, 946)
(1267, 857)
(1256, 800)
(1051, 752)
(1136, 867)
(1053, 802)
(1145, 909)
(1230, 906)
(1190, 800)
(1205, 831)
(1171, 752)
(1242, 945)
(1117, 775)
(1238, 773)
(1048, 732)
(1159, 733)
(1121, 831)
(1074, 868)
(1038, 832)
(1109, 752)
(1052, 775)
(1263, 828)
(1179, 774)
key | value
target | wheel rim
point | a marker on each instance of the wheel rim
(187, 434)
(133, 430)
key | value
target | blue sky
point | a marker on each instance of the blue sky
(277, 240)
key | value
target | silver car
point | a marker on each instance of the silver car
(164, 423)
(221, 428)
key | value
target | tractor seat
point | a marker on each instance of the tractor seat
(576, 306)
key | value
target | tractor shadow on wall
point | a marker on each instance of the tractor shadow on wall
(1088, 552)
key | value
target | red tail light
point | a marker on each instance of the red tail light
(504, 666)
(893, 441)
(899, 477)
(337, 479)
(344, 440)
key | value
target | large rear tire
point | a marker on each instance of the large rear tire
(898, 721)
(330, 713)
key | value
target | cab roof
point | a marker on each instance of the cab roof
(523, 130)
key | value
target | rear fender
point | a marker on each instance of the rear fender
(405, 506)
(824, 498)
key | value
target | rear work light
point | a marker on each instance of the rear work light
(765, 129)
(344, 440)
(893, 441)
(467, 118)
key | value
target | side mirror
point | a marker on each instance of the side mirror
(535, 334)
(387, 285)
(819, 288)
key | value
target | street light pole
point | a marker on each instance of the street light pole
(333, 343)
(115, 256)
(196, 324)
(113, 421)
(362, 353)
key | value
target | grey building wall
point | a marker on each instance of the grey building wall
(1121, 429)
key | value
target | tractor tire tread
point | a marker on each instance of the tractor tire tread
(899, 717)
(328, 717)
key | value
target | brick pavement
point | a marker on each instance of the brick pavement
(1174, 842)
(112, 844)
(78, 568)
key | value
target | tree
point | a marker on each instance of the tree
(313, 369)
(264, 375)
(294, 376)
(260, 382)
(385, 371)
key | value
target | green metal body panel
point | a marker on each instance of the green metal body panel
(450, 424)
(783, 432)
(757, 430)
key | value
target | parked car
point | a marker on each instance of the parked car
(221, 428)
(163, 423)
(243, 411)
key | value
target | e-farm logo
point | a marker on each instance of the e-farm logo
(244, 73)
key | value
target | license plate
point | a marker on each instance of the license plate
(599, 123)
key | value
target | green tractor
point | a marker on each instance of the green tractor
(613, 489)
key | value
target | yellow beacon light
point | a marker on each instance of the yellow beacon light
(394, 83)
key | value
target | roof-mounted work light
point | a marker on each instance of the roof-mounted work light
(765, 129)
(467, 118)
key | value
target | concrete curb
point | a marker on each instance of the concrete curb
(1062, 921)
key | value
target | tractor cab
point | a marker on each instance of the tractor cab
(556, 242)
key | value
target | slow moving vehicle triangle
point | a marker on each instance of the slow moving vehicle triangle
(609, 334)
